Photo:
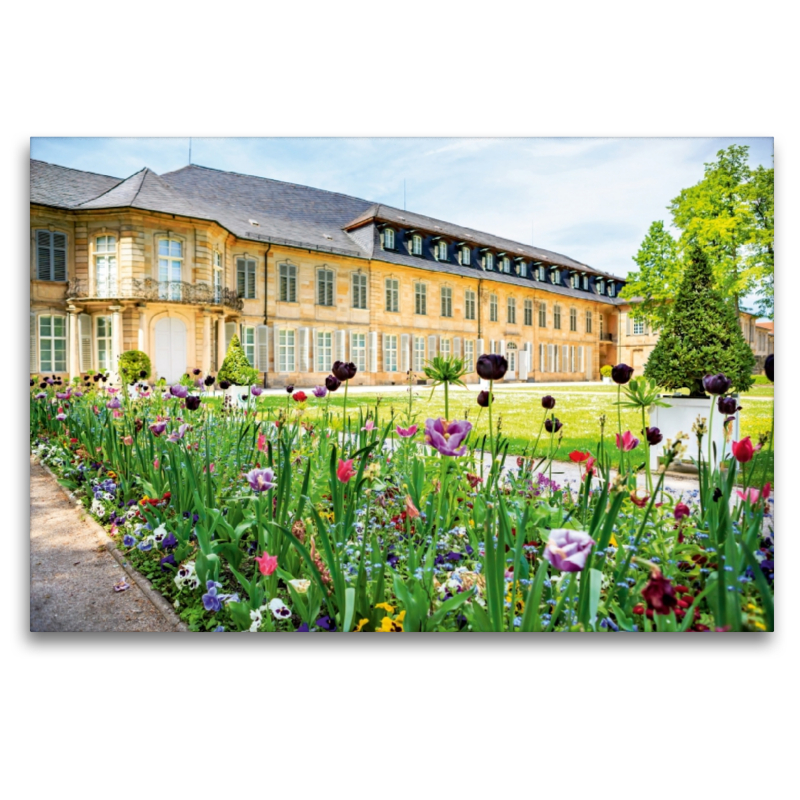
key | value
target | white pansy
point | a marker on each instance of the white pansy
(279, 609)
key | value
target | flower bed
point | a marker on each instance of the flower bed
(254, 520)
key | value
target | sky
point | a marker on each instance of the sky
(592, 199)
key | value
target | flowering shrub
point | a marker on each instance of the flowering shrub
(249, 520)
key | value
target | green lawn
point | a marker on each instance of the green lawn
(519, 414)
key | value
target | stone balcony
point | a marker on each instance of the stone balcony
(148, 289)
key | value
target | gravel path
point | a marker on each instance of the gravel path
(73, 574)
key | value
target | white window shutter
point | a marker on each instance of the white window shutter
(481, 347)
(34, 346)
(564, 358)
(302, 355)
(432, 345)
(628, 324)
(262, 348)
(85, 333)
(340, 346)
(372, 351)
(314, 361)
(457, 346)
(276, 345)
(502, 347)
(405, 345)
(230, 330)
(541, 357)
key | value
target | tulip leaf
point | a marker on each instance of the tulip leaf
(349, 608)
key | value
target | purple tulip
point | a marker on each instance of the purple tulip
(41, 395)
(115, 403)
(209, 381)
(195, 372)
(344, 370)
(332, 383)
(553, 425)
(727, 405)
(769, 367)
(61, 417)
(548, 402)
(261, 480)
(289, 388)
(446, 437)
(716, 384)
(192, 402)
(256, 391)
(177, 435)
(491, 367)
(179, 391)
(653, 436)
(158, 428)
(62, 395)
(319, 391)
(483, 399)
(621, 374)
(567, 550)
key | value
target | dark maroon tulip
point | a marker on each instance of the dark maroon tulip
(32, 381)
(553, 425)
(548, 402)
(659, 593)
(289, 389)
(769, 367)
(192, 402)
(621, 374)
(653, 436)
(143, 373)
(483, 399)
(716, 384)
(209, 381)
(224, 385)
(727, 405)
(195, 371)
(491, 367)
(332, 383)
(344, 371)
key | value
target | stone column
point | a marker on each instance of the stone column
(206, 365)
(220, 342)
(142, 340)
(116, 341)
(73, 354)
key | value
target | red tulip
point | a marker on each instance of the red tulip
(641, 502)
(766, 490)
(578, 458)
(345, 470)
(743, 450)
(681, 511)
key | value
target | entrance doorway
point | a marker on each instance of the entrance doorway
(511, 357)
(170, 349)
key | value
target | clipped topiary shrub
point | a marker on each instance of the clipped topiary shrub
(605, 370)
(131, 365)
(236, 368)
(701, 336)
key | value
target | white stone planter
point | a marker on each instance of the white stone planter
(607, 380)
(680, 417)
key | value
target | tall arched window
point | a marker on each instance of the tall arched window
(170, 264)
(105, 265)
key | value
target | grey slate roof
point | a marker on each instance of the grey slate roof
(63, 187)
(285, 213)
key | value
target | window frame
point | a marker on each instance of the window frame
(53, 364)
(542, 314)
(528, 312)
(470, 301)
(416, 244)
(326, 348)
(170, 292)
(418, 354)
(464, 255)
(243, 277)
(589, 321)
(420, 299)
(469, 355)
(556, 317)
(573, 319)
(389, 239)
(112, 265)
(637, 326)
(248, 343)
(286, 350)
(287, 281)
(51, 249)
(216, 275)
(390, 352)
(358, 294)
(442, 253)
(325, 287)
(392, 295)
(511, 310)
(446, 301)
(104, 363)
(488, 261)
(358, 352)
(493, 308)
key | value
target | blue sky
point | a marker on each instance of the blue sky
(589, 198)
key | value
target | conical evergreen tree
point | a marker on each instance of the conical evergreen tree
(701, 335)
(236, 368)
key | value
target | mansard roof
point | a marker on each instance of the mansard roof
(63, 187)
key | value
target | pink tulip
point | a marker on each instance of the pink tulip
(345, 470)
(749, 495)
(370, 426)
(127, 440)
(156, 463)
(681, 511)
(261, 443)
(766, 490)
(626, 442)
(407, 433)
(267, 564)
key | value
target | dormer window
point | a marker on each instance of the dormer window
(573, 279)
(441, 250)
(416, 245)
(599, 285)
(554, 276)
(388, 239)
(585, 280)
(488, 261)
(505, 264)
(464, 255)
(522, 267)
(610, 289)
(541, 272)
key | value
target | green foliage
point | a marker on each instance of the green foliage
(701, 335)
(236, 368)
(447, 371)
(606, 370)
(132, 363)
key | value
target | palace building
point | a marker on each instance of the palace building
(175, 264)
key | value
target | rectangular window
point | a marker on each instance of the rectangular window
(557, 317)
(324, 352)
(522, 269)
(638, 326)
(447, 301)
(285, 351)
(359, 290)
(505, 264)
(416, 245)
(573, 319)
(324, 287)
(105, 264)
(554, 276)
(585, 282)
(600, 325)
(388, 239)
(104, 344)
(217, 277)
(419, 353)
(588, 322)
(393, 295)
(529, 312)
(420, 298)
(249, 343)
(469, 304)
(464, 255)
(170, 262)
(610, 289)
(542, 315)
(246, 278)
(441, 251)
(358, 350)
(512, 311)
(469, 355)
(52, 344)
(488, 261)
(51, 256)
(390, 352)
(492, 308)
(287, 283)
(444, 348)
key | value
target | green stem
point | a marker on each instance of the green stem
(344, 415)
(619, 427)
(491, 428)
(446, 401)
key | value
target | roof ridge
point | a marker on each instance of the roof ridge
(75, 169)
(116, 186)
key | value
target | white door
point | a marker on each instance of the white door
(511, 357)
(170, 349)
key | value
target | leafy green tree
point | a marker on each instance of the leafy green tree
(658, 277)
(701, 335)
(236, 368)
(718, 214)
(761, 255)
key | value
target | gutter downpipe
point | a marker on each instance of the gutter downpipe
(266, 265)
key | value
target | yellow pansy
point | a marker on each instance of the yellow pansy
(361, 624)
(386, 607)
